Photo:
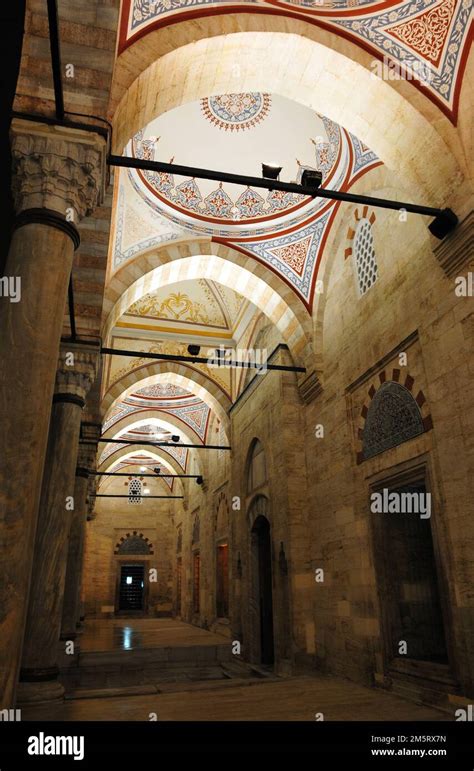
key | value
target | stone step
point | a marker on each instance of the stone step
(146, 678)
(197, 654)
(423, 692)
(110, 693)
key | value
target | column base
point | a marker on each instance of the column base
(39, 692)
(39, 685)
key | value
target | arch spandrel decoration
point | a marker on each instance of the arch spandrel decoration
(434, 61)
(134, 543)
(392, 418)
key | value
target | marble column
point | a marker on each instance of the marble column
(78, 366)
(58, 178)
(86, 462)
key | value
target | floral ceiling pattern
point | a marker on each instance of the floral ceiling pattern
(284, 231)
(430, 38)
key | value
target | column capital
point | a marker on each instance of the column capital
(77, 369)
(57, 169)
(91, 513)
(86, 457)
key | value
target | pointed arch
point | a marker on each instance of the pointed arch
(161, 418)
(178, 373)
(325, 81)
(276, 305)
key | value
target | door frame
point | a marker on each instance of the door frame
(260, 507)
(416, 470)
(129, 559)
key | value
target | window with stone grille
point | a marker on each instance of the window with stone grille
(134, 544)
(364, 254)
(135, 491)
(393, 417)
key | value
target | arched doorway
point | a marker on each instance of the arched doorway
(133, 553)
(262, 591)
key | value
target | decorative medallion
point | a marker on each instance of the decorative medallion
(236, 112)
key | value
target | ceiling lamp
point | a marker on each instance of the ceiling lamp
(175, 438)
(271, 171)
(443, 223)
(142, 468)
(311, 179)
(194, 350)
(199, 480)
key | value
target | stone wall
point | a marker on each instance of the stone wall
(410, 327)
(318, 487)
(113, 519)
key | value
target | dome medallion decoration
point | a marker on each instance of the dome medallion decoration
(236, 112)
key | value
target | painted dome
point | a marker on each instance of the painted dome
(237, 133)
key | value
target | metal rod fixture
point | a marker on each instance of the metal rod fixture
(138, 474)
(106, 495)
(55, 48)
(167, 444)
(272, 184)
(219, 361)
(49, 121)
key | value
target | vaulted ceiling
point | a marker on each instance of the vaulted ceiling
(429, 37)
(236, 133)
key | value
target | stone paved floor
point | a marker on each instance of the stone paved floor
(297, 698)
(131, 633)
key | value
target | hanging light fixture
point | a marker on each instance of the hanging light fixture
(311, 179)
(271, 171)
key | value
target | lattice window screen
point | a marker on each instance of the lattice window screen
(364, 252)
(135, 491)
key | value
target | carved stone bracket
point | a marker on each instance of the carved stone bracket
(456, 252)
(310, 387)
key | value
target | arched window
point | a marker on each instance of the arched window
(257, 471)
(364, 253)
(393, 417)
(135, 491)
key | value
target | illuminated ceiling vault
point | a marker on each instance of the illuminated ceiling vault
(236, 133)
(430, 37)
